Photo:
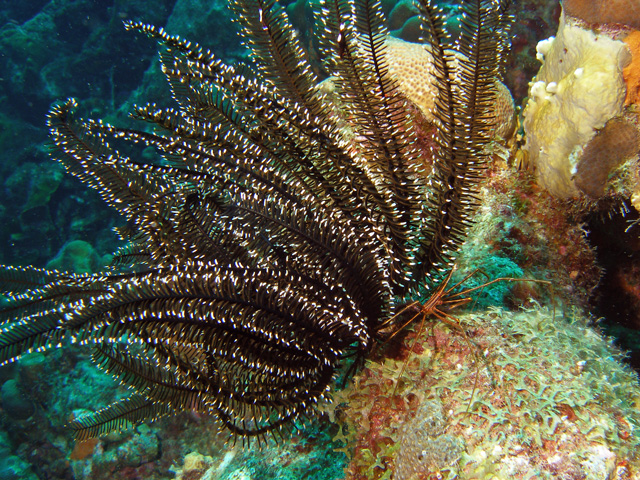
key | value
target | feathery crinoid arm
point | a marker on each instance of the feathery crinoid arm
(254, 263)
(285, 172)
(250, 346)
(87, 154)
(143, 193)
(353, 38)
(266, 240)
(256, 347)
(506, 19)
(465, 75)
(277, 50)
(36, 308)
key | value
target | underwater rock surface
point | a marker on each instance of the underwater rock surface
(522, 394)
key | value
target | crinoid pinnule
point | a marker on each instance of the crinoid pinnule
(265, 244)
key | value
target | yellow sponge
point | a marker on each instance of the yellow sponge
(578, 89)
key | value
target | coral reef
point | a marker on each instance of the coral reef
(12, 467)
(582, 142)
(522, 231)
(529, 393)
(510, 395)
(116, 455)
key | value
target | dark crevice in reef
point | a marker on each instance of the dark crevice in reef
(617, 297)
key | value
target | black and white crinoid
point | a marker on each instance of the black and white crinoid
(272, 237)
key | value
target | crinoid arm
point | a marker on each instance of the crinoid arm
(266, 241)
(465, 73)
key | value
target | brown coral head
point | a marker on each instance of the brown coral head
(605, 12)
(609, 148)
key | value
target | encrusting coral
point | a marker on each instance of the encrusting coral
(600, 12)
(530, 394)
(616, 142)
(631, 72)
